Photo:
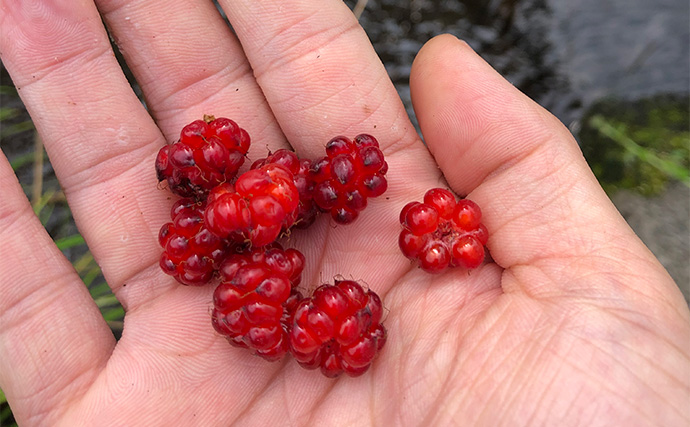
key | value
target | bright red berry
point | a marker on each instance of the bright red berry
(338, 329)
(443, 232)
(262, 202)
(351, 172)
(191, 253)
(209, 152)
(307, 210)
(253, 304)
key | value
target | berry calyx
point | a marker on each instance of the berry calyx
(442, 232)
(208, 153)
(338, 329)
(191, 253)
(352, 171)
(256, 208)
(253, 304)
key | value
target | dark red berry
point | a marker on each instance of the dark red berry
(253, 304)
(338, 329)
(443, 232)
(261, 204)
(191, 253)
(208, 153)
(351, 172)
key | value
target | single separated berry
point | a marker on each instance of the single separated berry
(191, 253)
(253, 303)
(338, 329)
(256, 208)
(351, 172)
(209, 152)
(307, 210)
(443, 232)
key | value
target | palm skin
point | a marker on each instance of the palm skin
(573, 322)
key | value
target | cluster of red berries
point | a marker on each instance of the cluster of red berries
(442, 232)
(225, 228)
(258, 306)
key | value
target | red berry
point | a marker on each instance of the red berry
(468, 251)
(338, 329)
(191, 253)
(253, 304)
(434, 257)
(443, 232)
(209, 152)
(307, 210)
(441, 199)
(351, 172)
(421, 219)
(262, 202)
(467, 215)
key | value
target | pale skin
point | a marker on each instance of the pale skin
(574, 322)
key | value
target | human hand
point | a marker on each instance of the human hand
(574, 322)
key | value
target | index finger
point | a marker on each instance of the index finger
(322, 78)
(320, 73)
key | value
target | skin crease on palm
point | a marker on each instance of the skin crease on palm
(574, 322)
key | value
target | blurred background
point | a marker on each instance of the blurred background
(616, 72)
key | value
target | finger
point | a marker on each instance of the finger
(320, 74)
(542, 205)
(322, 78)
(53, 339)
(188, 63)
(100, 139)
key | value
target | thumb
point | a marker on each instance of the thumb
(549, 219)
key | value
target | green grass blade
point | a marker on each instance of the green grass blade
(7, 113)
(91, 275)
(5, 415)
(15, 129)
(115, 314)
(84, 262)
(8, 90)
(43, 202)
(670, 168)
(70, 242)
(22, 160)
(106, 300)
(99, 290)
(5, 411)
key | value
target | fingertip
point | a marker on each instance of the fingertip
(441, 57)
(472, 119)
(439, 43)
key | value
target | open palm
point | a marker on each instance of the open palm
(573, 322)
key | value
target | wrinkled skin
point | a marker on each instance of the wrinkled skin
(573, 323)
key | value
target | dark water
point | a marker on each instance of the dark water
(564, 54)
